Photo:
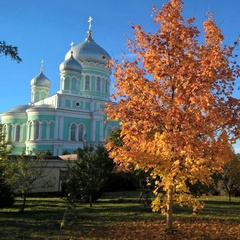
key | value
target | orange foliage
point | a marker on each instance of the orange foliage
(154, 229)
(177, 112)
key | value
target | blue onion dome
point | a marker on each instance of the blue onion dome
(41, 79)
(89, 51)
(71, 64)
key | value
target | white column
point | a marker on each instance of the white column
(76, 132)
(13, 135)
(28, 131)
(56, 127)
(92, 128)
(7, 132)
(40, 131)
(61, 83)
(60, 135)
(32, 130)
(70, 84)
(21, 133)
(101, 130)
(48, 131)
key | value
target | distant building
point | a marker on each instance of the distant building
(74, 115)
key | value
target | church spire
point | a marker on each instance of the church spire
(90, 28)
(42, 64)
(72, 44)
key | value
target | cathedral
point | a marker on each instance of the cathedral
(74, 115)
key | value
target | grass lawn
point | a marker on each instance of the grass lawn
(119, 217)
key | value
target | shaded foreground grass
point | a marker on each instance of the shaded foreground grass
(117, 217)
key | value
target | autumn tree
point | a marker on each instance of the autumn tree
(176, 108)
(9, 50)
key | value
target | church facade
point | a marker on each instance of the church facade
(74, 115)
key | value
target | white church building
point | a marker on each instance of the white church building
(71, 117)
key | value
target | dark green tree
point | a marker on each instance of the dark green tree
(128, 178)
(9, 50)
(231, 177)
(87, 176)
(115, 137)
(6, 193)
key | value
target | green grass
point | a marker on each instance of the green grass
(115, 216)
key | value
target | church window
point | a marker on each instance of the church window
(10, 129)
(51, 133)
(81, 133)
(98, 84)
(36, 96)
(17, 136)
(106, 86)
(36, 130)
(74, 84)
(73, 131)
(87, 83)
(66, 84)
(43, 95)
(44, 130)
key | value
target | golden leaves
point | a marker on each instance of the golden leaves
(213, 35)
(177, 111)
(190, 20)
(142, 229)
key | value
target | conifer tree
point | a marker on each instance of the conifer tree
(9, 50)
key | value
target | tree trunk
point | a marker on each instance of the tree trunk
(169, 220)
(24, 203)
(229, 196)
(90, 200)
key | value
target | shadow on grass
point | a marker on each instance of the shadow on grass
(214, 209)
(42, 224)
(224, 203)
(42, 218)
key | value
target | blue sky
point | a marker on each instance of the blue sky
(44, 29)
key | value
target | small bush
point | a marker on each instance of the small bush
(6, 197)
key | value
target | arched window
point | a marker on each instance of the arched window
(36, 96)
(17, 133)
(44, 130)
(66, 84)
(36, 131)
(74, 84)
(87, 83)
(42, 95)
(98, 84)
(106, 86)
(51, 133)
(72, 133)
(81, 132)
